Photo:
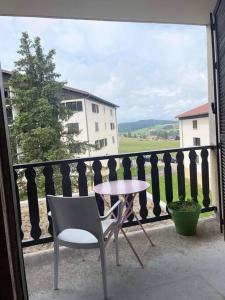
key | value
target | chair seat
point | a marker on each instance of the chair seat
(80, 236)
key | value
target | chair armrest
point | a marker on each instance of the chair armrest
(110, 212)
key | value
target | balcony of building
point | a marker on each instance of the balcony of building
(177, 266)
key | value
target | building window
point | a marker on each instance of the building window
(95, 108)
(105, 126)
(9, 115)
(113, 140)
(96, 126)
(6, 93)
(101, 143)
(196, 141)
(111, 112)
(97, 145)
(195, 124)
(75, 106)
(112, 126)
(73, 128)
(75, 148)
(104, 109)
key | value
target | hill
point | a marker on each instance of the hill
(133, 126)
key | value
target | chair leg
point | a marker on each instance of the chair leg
(116, 232)
(56, 264)
(103, 265)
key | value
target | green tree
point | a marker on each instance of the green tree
(37, 132)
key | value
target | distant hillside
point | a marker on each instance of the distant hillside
(133, 126)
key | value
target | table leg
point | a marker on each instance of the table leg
(139, 223)
(132, 248)
(123, 218)
(142, 227)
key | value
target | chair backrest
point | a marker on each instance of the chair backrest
(75, 212)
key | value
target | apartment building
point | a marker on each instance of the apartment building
(194, 131)
(94, 118)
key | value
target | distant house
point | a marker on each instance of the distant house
(94, 117)
(194, 131)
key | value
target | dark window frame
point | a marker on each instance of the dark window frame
(196, 141)
(72, 128)
(96, 126)
(75, 105)
(95, 108)
(195, 124)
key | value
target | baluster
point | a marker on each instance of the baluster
(97, 167)
(193, 175)
(18, 205)
(142, 195)
(180, 175)
(112, 177)
(168, 177)
(30, 175)
(155, 185)
(205, 177)
(127, 175)
(82, 178)
(66, 182)
(49, 190)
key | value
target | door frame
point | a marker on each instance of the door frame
(216, 64)
(12, 270)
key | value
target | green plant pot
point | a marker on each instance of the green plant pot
(185, 221)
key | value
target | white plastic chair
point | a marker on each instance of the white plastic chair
(77, 224)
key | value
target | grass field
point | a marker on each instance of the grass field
(127, 145)
(162, 186)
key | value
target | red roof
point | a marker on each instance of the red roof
(198, 111)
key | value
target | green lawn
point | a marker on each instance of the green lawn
(162, 186)
(127, 145)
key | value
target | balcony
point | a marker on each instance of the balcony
(176, 268)
(179, 267)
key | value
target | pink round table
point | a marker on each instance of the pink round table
(121, 187)
(128, 189)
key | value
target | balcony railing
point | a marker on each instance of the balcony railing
(35, 180)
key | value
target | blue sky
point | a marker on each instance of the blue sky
(149, 70)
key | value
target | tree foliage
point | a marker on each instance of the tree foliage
(37, 132)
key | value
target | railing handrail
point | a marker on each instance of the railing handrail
(120, 155)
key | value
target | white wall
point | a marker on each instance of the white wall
(78, 117)
(103, 118)
(187, 133)
(87, 119)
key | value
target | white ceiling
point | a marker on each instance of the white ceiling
(160, 11)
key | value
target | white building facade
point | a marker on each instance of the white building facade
(93, 121)
(194, 131)
(96, 121)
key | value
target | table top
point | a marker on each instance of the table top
(121, 187)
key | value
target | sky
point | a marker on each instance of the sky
(150, 70)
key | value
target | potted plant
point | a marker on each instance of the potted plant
(185, 214)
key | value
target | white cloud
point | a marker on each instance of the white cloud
(110, 88)
(150, 70)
